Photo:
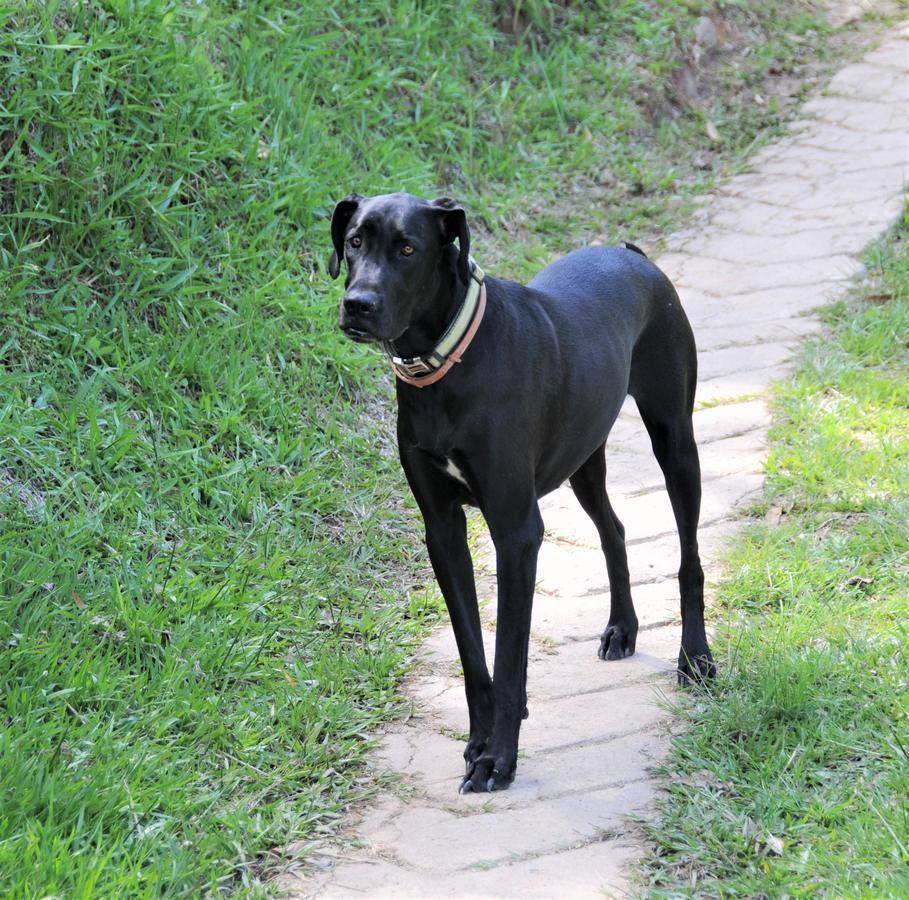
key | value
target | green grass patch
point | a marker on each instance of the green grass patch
(206, 564)
(792, 779)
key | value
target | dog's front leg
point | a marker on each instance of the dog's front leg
(446, 539)
(517, 538)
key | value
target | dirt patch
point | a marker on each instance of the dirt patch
(718, 90)
(713, 57)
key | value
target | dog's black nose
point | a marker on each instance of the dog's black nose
(361, 304)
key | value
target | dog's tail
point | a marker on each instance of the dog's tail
(629, 246)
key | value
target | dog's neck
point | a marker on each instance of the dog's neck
(424, 333)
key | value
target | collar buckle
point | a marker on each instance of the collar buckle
(413, 366)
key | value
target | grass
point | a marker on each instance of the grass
(209, 585)
(792, 780)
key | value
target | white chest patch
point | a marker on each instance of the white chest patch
(455, 472)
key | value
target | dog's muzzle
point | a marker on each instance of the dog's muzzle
(359, 309)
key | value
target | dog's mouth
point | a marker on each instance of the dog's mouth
(358, 334)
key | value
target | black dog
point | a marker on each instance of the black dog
(547, 369)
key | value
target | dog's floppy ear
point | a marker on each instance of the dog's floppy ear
(453, 222)
(340, 219)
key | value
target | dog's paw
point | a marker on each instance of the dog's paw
(617, 641)
(486, 775)
(696, 668)
(473, 751)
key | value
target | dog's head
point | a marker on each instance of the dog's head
(399, 252)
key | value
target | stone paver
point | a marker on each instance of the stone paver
(769, 247)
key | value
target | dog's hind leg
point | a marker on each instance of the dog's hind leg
(589, 486)
(675, 449)
(663, 380)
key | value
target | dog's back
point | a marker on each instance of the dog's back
(621, 292)
(605, 275)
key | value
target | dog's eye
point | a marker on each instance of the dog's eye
(356, 240)
(407, 250)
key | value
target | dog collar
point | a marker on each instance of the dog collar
(430, 367)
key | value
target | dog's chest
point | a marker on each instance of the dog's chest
(444, 438)
(436, 429)
(450, 468)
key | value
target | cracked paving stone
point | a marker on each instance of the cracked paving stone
(732, 360)
(867, 82)
(734, 417)
(502, 835)
(864, 115)
(760, 275)
(738, 247)
(828, 160)
(582, 619)
(849, 140)
(565, 569)
(574, 872)
(767, 305)
(647, 515)
(734, 331)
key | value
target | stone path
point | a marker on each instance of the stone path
(768, 248)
